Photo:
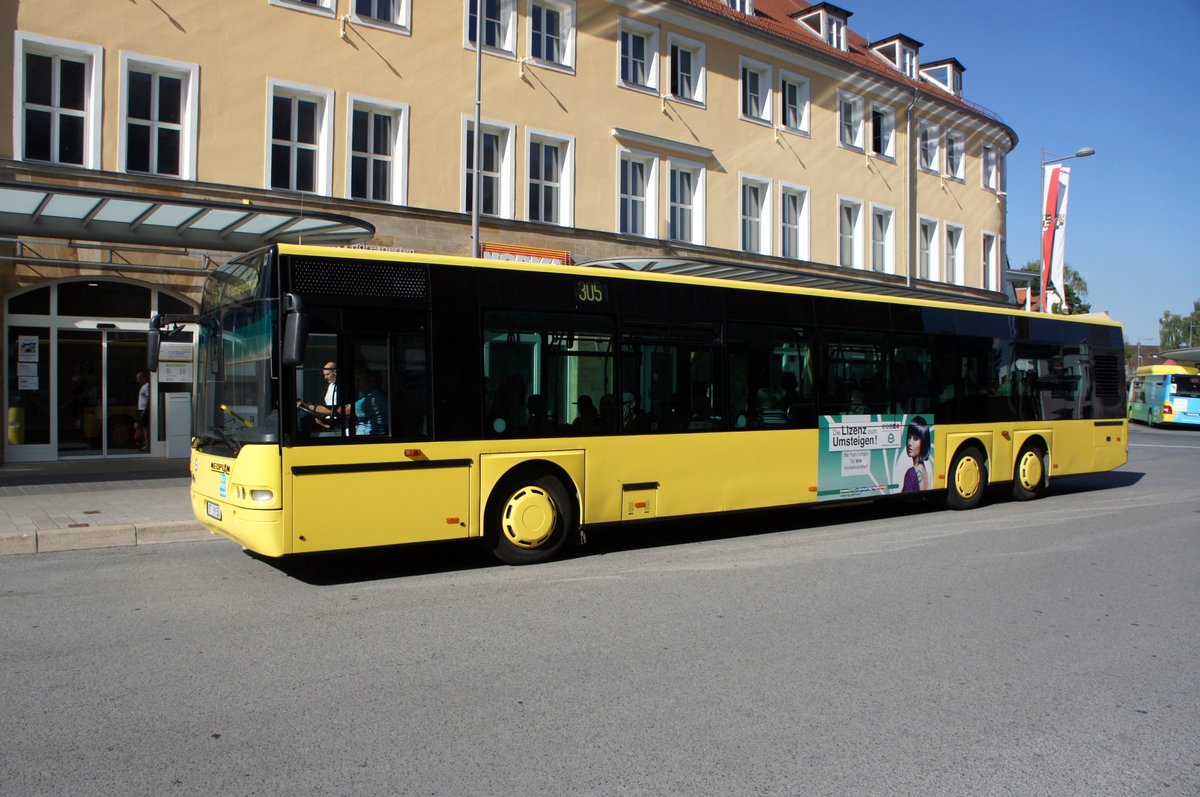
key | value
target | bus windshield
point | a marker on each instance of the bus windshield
(237, 401)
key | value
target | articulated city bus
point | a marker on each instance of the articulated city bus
(1165, 395)
(350, 398)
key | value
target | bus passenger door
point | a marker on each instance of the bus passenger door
(358, 467)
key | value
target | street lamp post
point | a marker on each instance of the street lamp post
(1082, 152)
(477, 141)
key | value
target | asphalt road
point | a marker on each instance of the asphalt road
(1047, 647)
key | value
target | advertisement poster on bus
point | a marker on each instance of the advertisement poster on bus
(866, 456)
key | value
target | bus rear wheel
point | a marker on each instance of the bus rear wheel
(531, 518)
(968, 478)
(1031, 472)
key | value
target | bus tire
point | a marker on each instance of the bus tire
(1031, 473)
(968, 478)
(531, 516)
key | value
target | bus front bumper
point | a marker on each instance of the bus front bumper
(259, 530)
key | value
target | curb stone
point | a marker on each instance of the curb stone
(74, 539)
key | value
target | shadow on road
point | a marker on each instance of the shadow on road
(375, 564)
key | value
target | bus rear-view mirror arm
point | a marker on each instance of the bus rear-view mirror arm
(158, 334)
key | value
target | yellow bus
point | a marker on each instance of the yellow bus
(350, 398)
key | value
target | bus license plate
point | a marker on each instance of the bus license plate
(213, 509)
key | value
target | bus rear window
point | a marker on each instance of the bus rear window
(1186, 386)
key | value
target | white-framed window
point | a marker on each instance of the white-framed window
(301, 121)
(756, 215)
(954, 254)
(850, 120)
(850, 233)
(756, 90)
(58, 93)
(326, 8)
(159, 109)
(378, 152)
(835, 32)
(794, 222)
(550, 173)
(638, 44)
(908, 61)
(795, 93)
(741, 6)
(927, 248)
(991, 262)
(394, 15)
(499, 25)
(552, 32)
(827, 23)
(928, 149)
(496, 168)
(685, 221)
(883, 239)
(687, 69)
(955, 145)
(883, 130)
(987, 162)
(637, 199)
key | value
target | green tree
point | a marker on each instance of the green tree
(1077, 303)
(1177, 331)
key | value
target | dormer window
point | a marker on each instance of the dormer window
(946, 74)
(742, 6)
(827, 21)
(901, 52)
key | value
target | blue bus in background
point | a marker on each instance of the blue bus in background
(1167, 395)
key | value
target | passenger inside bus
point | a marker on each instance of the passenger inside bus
(370, 410)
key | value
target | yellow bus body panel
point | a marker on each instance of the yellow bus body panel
(353, 496)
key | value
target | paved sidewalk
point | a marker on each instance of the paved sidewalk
(59, 506)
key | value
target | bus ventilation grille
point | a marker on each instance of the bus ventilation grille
(1108, 376)
(373, 278)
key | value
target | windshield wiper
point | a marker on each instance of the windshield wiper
(245, 422)
(234, 444)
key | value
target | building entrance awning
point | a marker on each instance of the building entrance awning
(51, 211)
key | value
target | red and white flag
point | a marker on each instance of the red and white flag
(1055, 184)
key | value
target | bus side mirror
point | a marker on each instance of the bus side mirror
(295, 331)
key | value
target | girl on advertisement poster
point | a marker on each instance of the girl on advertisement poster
(917, 476)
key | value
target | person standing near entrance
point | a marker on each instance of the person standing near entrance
(143, 410)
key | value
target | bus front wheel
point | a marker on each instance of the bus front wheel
(531, 518)
(1031, 472)
(968, 478)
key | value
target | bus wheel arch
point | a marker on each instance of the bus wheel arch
(967, 477)
(531, 514)
(1031, 472)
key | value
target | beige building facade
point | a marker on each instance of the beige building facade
(763, 131)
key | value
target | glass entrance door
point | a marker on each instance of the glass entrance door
(98, 391)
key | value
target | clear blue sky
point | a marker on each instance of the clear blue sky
(1119, 77)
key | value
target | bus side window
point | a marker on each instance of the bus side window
(370, 405)
(854, 369)
(912, 369)
(669, 378)
(547, 374)
(771, 377)
(318, 388)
